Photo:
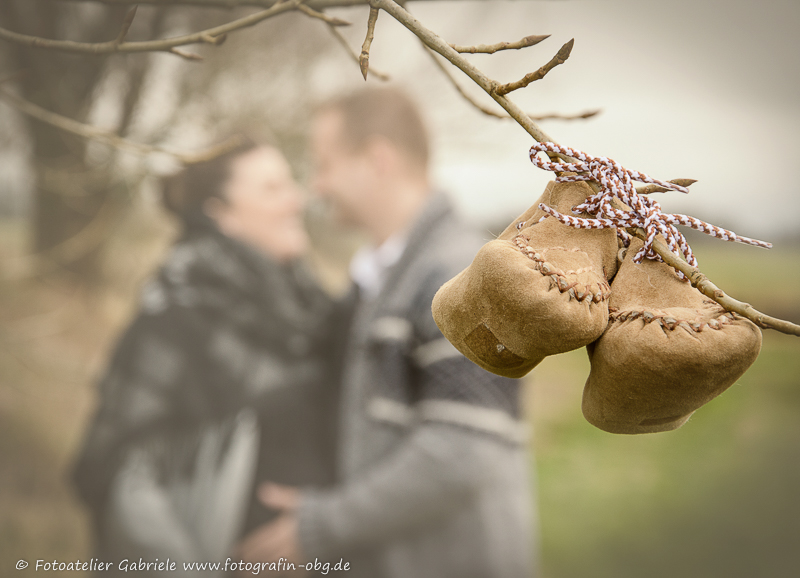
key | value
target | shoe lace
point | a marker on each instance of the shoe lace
(617, 182)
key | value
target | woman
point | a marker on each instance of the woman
(221, 380)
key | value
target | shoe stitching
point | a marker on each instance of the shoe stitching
(558, 277)
(670, 322)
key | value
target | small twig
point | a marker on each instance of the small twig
(107, 137)
(434, 42)
(332, 20)
(492, 48)
(559, 116)
(214, 40)
(363, 60)
(343, 41)
(186, 55)
(646, 190)
(211, 152)
(488, 111)
(560, 58)
(126, 25)
(467, 96)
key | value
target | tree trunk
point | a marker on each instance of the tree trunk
(69, 195)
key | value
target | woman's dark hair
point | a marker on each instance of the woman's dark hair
(184, 193)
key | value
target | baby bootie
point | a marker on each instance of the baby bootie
(668, 350)
(539, 289)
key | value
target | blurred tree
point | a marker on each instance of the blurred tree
(81, 188)
(70, 190)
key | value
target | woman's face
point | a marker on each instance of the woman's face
(264, 205)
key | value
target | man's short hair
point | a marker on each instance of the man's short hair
(385, 112)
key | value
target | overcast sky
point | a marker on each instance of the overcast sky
(706, 89)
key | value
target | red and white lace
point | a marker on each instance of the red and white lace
(617, 181)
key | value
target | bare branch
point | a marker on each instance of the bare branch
(707, 288)
(165, 45)
(110, 138)
(646, 190)
(431, 40)
(560, 58)
(697, 278)
(560, 116)
(211, 152)
(186, 55)
(316, 4)
(230, 4)
(492, 48)
(363, 60)
(343, 41)
(434, 42)
(489, 112)
(467, 96)
(126, 25)
(332, 20)
(214, 40)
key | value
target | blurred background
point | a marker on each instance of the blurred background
(697, 89)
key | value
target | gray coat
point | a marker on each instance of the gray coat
(433, 456)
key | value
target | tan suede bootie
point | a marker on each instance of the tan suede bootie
(539, 289)
(667, 351)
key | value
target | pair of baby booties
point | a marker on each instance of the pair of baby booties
(659, 349)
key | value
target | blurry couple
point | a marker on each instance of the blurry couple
(247, 414)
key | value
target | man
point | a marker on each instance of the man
(433, 465)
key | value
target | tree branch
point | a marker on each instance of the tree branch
(93, 133)
(467, 96)
(696, 277)
(191, 56)
(453, 54)
(707, 288)
(488, 111)
(363, 60)
(561, 116)
(560, 58)
(209, 36)
(126, 25)
(315, 4)
(492, 48)
(331, 20)
(440, 46)
(343, 41)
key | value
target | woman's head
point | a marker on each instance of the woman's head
(251, 196)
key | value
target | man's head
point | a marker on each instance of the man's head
(371, 159)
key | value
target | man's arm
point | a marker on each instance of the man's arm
(437, 471)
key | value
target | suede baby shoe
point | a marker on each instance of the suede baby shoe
(667, 351)
(539, 289)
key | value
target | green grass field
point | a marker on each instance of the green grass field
(719, 497)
